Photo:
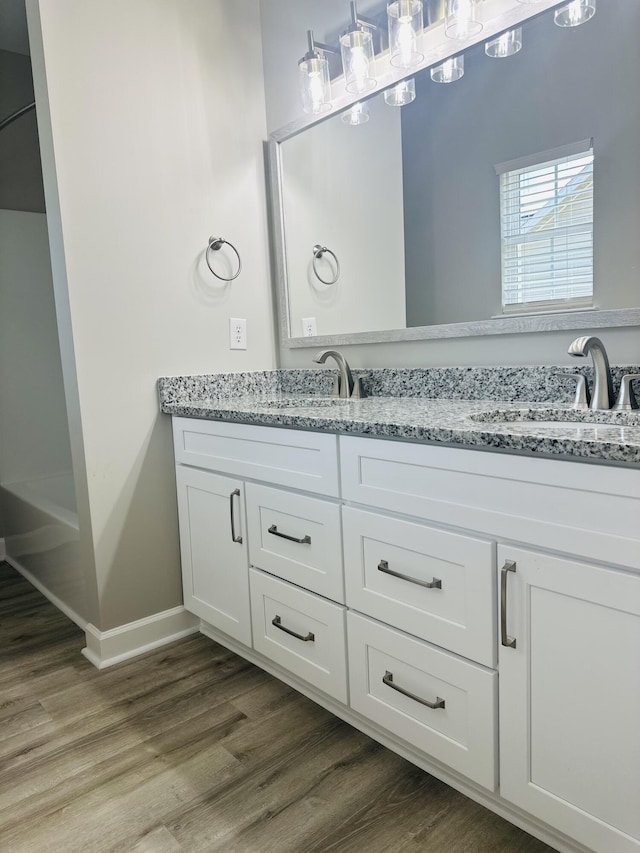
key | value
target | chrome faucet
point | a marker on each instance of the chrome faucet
(602, 392)
(345, 385)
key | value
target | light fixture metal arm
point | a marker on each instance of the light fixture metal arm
(360, 20)
(315, 46)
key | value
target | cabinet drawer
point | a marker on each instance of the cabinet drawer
(300, 631)
(435, 584)
(386, 665)
(286, 457)
(296, 538)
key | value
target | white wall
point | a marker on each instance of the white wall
(152, 121)
(346, 203)
(284, 24)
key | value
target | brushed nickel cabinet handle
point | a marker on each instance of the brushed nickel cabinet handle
(306, 540)
(506, 640)
(383, 566)
(234, 494)
(277, 623)
(387, 679)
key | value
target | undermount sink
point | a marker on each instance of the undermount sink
(557, 418)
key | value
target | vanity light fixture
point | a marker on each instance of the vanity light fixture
(506, 44)
(356, 47)
(461, 19)
(315, 83)
(401, 94)
(357, 114)
(449, 71)
(404, 18)
(575, 13)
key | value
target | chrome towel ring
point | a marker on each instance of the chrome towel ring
(215, 244)
(318, 252)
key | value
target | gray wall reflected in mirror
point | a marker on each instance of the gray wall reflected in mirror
(565, 85)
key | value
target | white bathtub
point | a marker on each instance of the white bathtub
(40, 525)
(54, 495)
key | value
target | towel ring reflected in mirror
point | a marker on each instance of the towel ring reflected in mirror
(318, 252)
(214, 245)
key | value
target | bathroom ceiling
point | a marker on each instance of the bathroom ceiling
(13, 26)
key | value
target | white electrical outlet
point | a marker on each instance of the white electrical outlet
(309, 327)
(237, 333)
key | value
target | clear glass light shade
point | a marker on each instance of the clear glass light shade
(405, 32)
(461, 19)
(402, 94)
(358, 114)
(449, 71)
(315, 85)
(506, 44)
(356, 47)
(575, 13)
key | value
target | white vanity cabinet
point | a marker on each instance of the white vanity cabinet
(388, 581)
(568, 728)
(213, 549)
(257, 555)
(570, 696)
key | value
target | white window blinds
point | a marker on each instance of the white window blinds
(546, 213)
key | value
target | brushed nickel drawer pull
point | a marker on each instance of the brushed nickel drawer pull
(383, 566)
(234, 494)
(388, 680)
(306, 540)
(277, 623)
(506, 640)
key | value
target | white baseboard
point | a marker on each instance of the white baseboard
(3, 551)
(57, 602)
(106, 648)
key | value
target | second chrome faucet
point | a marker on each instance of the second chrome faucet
(602, 390)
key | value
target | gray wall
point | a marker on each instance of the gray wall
(557, 90)
(20, 171)
(284, 23)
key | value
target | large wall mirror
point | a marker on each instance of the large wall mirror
(408, 203)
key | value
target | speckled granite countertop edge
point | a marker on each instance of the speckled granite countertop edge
(433, 421)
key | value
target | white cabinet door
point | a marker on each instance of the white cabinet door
(215, 570)
(570, 697)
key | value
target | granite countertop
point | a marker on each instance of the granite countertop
(508, 425)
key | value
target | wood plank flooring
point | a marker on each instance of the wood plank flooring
(191, 748)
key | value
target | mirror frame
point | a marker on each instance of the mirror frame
(499, 15)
